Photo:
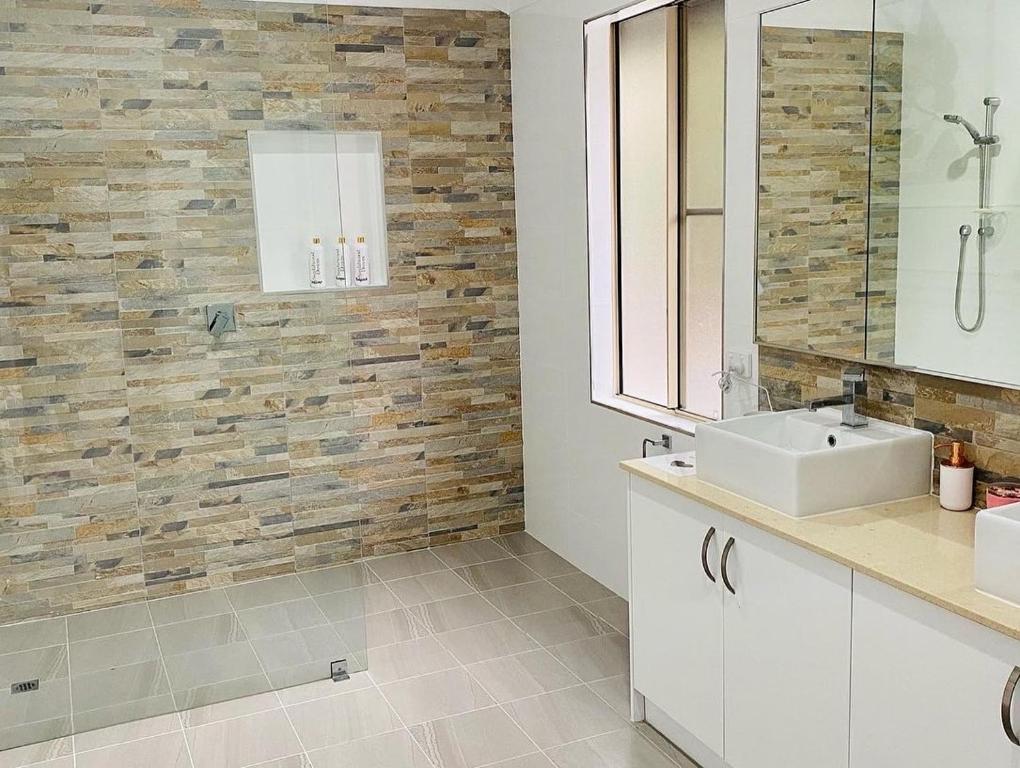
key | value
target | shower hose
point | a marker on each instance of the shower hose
(965, 232)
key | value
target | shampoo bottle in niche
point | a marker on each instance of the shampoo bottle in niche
(956, 480)
(315, 258)
(362, 272)
(341, 261)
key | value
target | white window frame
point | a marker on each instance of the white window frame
(603, 265)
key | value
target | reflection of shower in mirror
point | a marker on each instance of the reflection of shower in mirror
(984, 142)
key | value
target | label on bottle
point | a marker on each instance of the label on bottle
(341, 262)
(361, 266)
(315, 266)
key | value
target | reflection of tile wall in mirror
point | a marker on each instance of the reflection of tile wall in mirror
(813, 188)
(884, 207)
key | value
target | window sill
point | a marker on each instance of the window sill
(676, 421)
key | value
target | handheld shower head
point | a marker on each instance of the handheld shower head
(957, 120)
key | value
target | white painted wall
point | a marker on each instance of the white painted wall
(939, 184)
(575, 496)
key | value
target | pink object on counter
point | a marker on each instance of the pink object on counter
(1001, 494)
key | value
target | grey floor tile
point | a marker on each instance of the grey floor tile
(454, 613)
(279, 589)
(620, 749)
(110, 687)
(405, 564)
(390, 750)
(473, 739)
(337, 578)
(521, 544)
(595, 658)
(109, 621)
(21, 735)
(122, 712)
(498, 573)
(37, 664)
(535, 760)
(323, 689)
(166, 751)
(563, 625)
(547, 564)
(614, 610)
(212, 665)
(486, 641)
(52, 702)
(222, 691)
(39, 752)
(527, 674)
(581, 587)
(343, 718)
(143, 728)
(429, 587)
(31, 635)
(556, 718)
(349, 604)
(435, 696)
(403, 660)
(113, 651)
(230, 708)
(281, 617)
(469, 552)
(615, 691)
(527, 598)
(385, 628)
(197, 605)
(664, 746)
(243, 741)
(60, 762)
(303, 646)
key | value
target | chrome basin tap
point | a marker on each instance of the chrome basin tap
(853, 385)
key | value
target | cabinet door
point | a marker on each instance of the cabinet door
(787, 640)
(927, 685)
(676, 610)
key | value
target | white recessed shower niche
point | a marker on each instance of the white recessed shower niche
(325, 185)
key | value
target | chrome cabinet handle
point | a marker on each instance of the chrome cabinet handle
(1007, 706)
(725, 559)
(704, 554)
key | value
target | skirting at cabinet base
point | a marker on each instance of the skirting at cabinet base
(680, 737)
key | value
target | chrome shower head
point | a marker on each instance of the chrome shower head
(957, 120)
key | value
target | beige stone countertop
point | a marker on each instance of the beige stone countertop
(913, 545)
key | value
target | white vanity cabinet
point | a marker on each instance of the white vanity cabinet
(758, 674)
(928, 686)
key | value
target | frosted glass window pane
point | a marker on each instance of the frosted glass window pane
(705, 104)
(647, 169)
(703, 317)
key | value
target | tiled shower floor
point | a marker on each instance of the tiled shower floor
(492, 653)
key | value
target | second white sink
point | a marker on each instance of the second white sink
(804, 463)
(997, 552)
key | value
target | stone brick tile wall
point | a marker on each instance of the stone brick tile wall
(139, 456)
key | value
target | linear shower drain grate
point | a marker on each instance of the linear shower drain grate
(25, 686)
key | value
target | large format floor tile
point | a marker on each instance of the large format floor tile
(473, 739)
(243, 741)
(556, 718)
(483, 654)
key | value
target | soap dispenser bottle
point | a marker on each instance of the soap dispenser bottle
(315, 259)
(956, 480)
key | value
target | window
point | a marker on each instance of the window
(654, 85)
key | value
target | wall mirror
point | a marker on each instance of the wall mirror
(887, 182)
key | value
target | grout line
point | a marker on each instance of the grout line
(169, 685)
(70, 694)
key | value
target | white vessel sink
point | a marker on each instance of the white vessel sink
(997, 552)
(804, 463)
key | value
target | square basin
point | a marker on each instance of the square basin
(805, 463)
(997, 552)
